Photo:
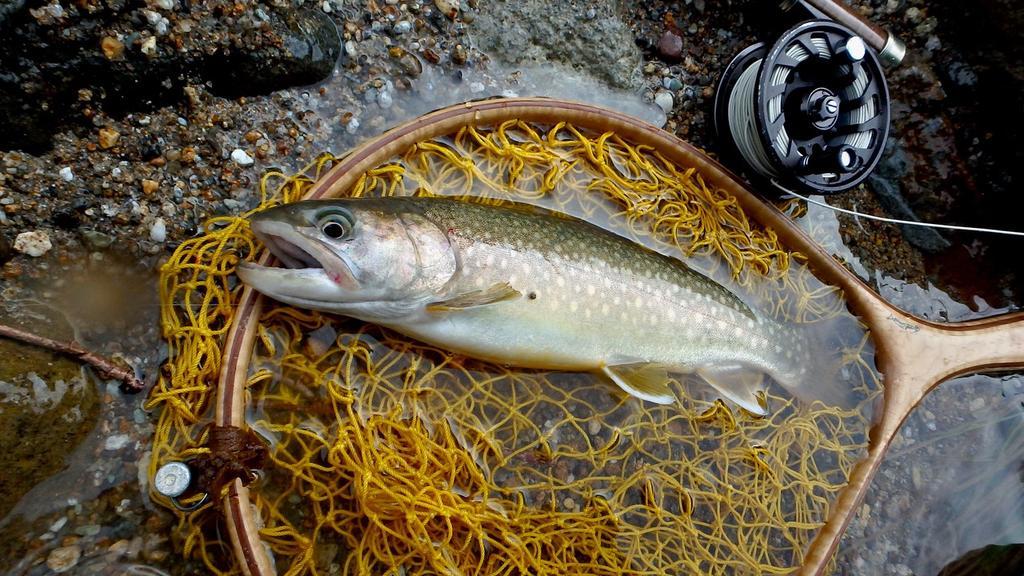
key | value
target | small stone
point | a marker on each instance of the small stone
(164, 4)
(64, 558)
(34, 243)
(670, 46)
(671, 83)
(116, 442)
(66, 174)
(403, 27)
(449, 8)
(241, 157)
(97, 240)
(353, 126)
(188, 155)
(108, 138)
(112, 47)
(149, 46)
(119, 548)
(158, 231)
(149, 186)
(459, 55)
(594, 427)
(476, 87)
(384, 99)
(58, 524)
(664, 101)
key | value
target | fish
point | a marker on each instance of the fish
(526, 287)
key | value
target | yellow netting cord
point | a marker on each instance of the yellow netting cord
(389, 456)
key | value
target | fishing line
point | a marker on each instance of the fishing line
(810, 110)
(896, 220)
(742, 123)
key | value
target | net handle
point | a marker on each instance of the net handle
(914, 354)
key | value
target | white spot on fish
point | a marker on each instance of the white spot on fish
(479, 281)
(489, 261)
(560, 281)
(573, 306)
(605, 309)
(591, 290)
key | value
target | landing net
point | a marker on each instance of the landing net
(389, 456)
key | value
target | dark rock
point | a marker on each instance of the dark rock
(66, 219)
(889, 196)
(6, 250)
(670, 46)
(309, 50)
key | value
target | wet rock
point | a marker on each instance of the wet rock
(241, 157)
(108, 138)
(535, 31)
(664, 100)
(309, 49)
(889, 196)
(96, 240)
(158, 231)
(64, 558)
(670, 46)
(34, 243)
(6, 251)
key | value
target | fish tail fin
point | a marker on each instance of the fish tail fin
(815, 361)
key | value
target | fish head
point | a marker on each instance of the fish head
(371, 259)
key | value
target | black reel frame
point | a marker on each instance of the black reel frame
(817, 113)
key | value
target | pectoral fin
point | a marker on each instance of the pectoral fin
(738, 384)
(496, 293)
(645, 381)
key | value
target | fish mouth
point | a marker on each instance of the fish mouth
(311, 271)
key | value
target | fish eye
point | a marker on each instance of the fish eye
(335, 226)
(333, 229)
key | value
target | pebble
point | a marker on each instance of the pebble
(34, 243)
(158, 231)
(112, 47)
(116, 442)
(670, 46)
(476, 87)
(108, 138)
(594, 427)
(58, 524)
(149, 46)
(241, 157)
(449, 8)
(64, 558)
(384, 99)
(164, 4)
(403, 27)
(66, 174)
(664, 101)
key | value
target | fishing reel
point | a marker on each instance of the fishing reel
(810, 113)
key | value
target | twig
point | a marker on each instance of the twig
(106, 368)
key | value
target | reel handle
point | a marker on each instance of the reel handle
(889, 48)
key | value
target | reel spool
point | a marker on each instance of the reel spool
(811, 113)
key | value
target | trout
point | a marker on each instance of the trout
(526, 287)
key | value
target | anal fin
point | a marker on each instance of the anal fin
(496, 293)
(645, 381)
(738, 384)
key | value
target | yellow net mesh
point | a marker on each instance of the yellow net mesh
(389, 456)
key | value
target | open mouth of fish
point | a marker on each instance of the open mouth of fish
(308, 264)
